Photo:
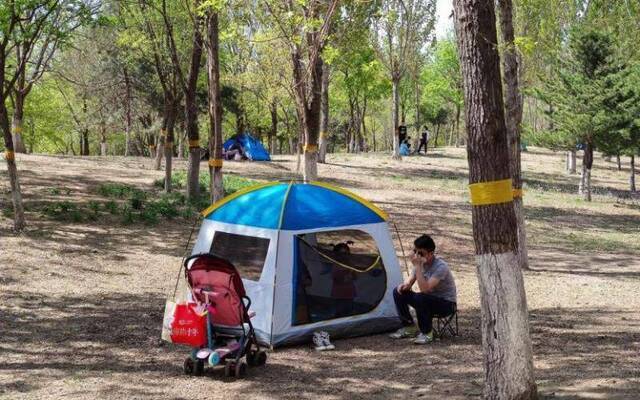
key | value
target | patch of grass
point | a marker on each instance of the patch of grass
(132, 204)
(231, 183)
(63, 211)
(116, 190)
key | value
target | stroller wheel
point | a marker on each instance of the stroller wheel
(252, 358)
(228, 368)
(188, 366)
(261, 358)
(199, 368)
(241, 369)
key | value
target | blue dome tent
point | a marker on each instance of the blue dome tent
(282, 236)
(252, 147)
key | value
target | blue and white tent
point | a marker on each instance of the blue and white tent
(313, 257)
(252, 147)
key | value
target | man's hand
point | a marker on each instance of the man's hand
(417, 261)
(403, 287)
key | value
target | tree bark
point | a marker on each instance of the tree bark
(324, 114)
(273, 132)
(632, 173)
(587, 162)
(191, 116)
(513, 120)
(508, 359)
(128, 118)
(19, 221)
(395, 83)
(172, 108)
(215, 107)
(572, 161)
(17, 122)
(618, 162)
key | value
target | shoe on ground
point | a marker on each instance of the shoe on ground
(423, 338)
(326, 341)
(318, 342)
(402, 333)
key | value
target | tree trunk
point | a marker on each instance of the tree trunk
(395, 96)
(572, 161)
(160, 146)
(16, 195)
(168, 144)
(587, 162)
(17, 123)
(632, 173)
(191, 116)
(618, 162)
(583, 174)
(324, 114)
(457, 125)
(567, 156)
(128, 119)
(215, 108)
(435, 143)
(508, 359)
(513, 120)
(273, 133)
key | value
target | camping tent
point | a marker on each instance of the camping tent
(283, 236)
(252, 147)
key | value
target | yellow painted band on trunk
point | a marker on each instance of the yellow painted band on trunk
(323, 135)
(353, 196)
(168, 145)
(215, 162)
(152, 146)
(9, 155)
(194, 143)
(163, 132)
(518, 193)
(235, 195)
(494, 192)
(310, 148)
(17, 129)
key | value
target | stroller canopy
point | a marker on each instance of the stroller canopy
(252, 147)
(312, 256)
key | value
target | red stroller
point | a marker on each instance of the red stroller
(217, 288)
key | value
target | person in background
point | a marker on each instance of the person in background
(436, 295)
(424, 140)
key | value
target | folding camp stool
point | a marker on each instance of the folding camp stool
(445, 324)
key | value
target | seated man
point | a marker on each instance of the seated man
(437, 291)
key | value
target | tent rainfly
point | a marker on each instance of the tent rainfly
(313, 257)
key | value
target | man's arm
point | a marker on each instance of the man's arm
(407, 285)
(425, 285)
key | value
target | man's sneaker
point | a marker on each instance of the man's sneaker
(401, 333)
(326, 341)
(424, 338)
(318, 342)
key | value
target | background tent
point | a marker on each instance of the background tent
(252, 147)
(283, 236)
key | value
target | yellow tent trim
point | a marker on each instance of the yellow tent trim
(235, 195)
(353, 196)
(338, 263)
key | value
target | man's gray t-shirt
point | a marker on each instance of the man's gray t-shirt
(446, 288)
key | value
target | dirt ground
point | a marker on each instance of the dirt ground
(81, 303)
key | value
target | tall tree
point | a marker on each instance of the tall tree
(31, 31)
(508, 359)
(513, 114)
(305, 26)
(215, 104)
(401, 29)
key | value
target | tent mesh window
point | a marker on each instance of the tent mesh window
(336, 274)
(246, 253)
